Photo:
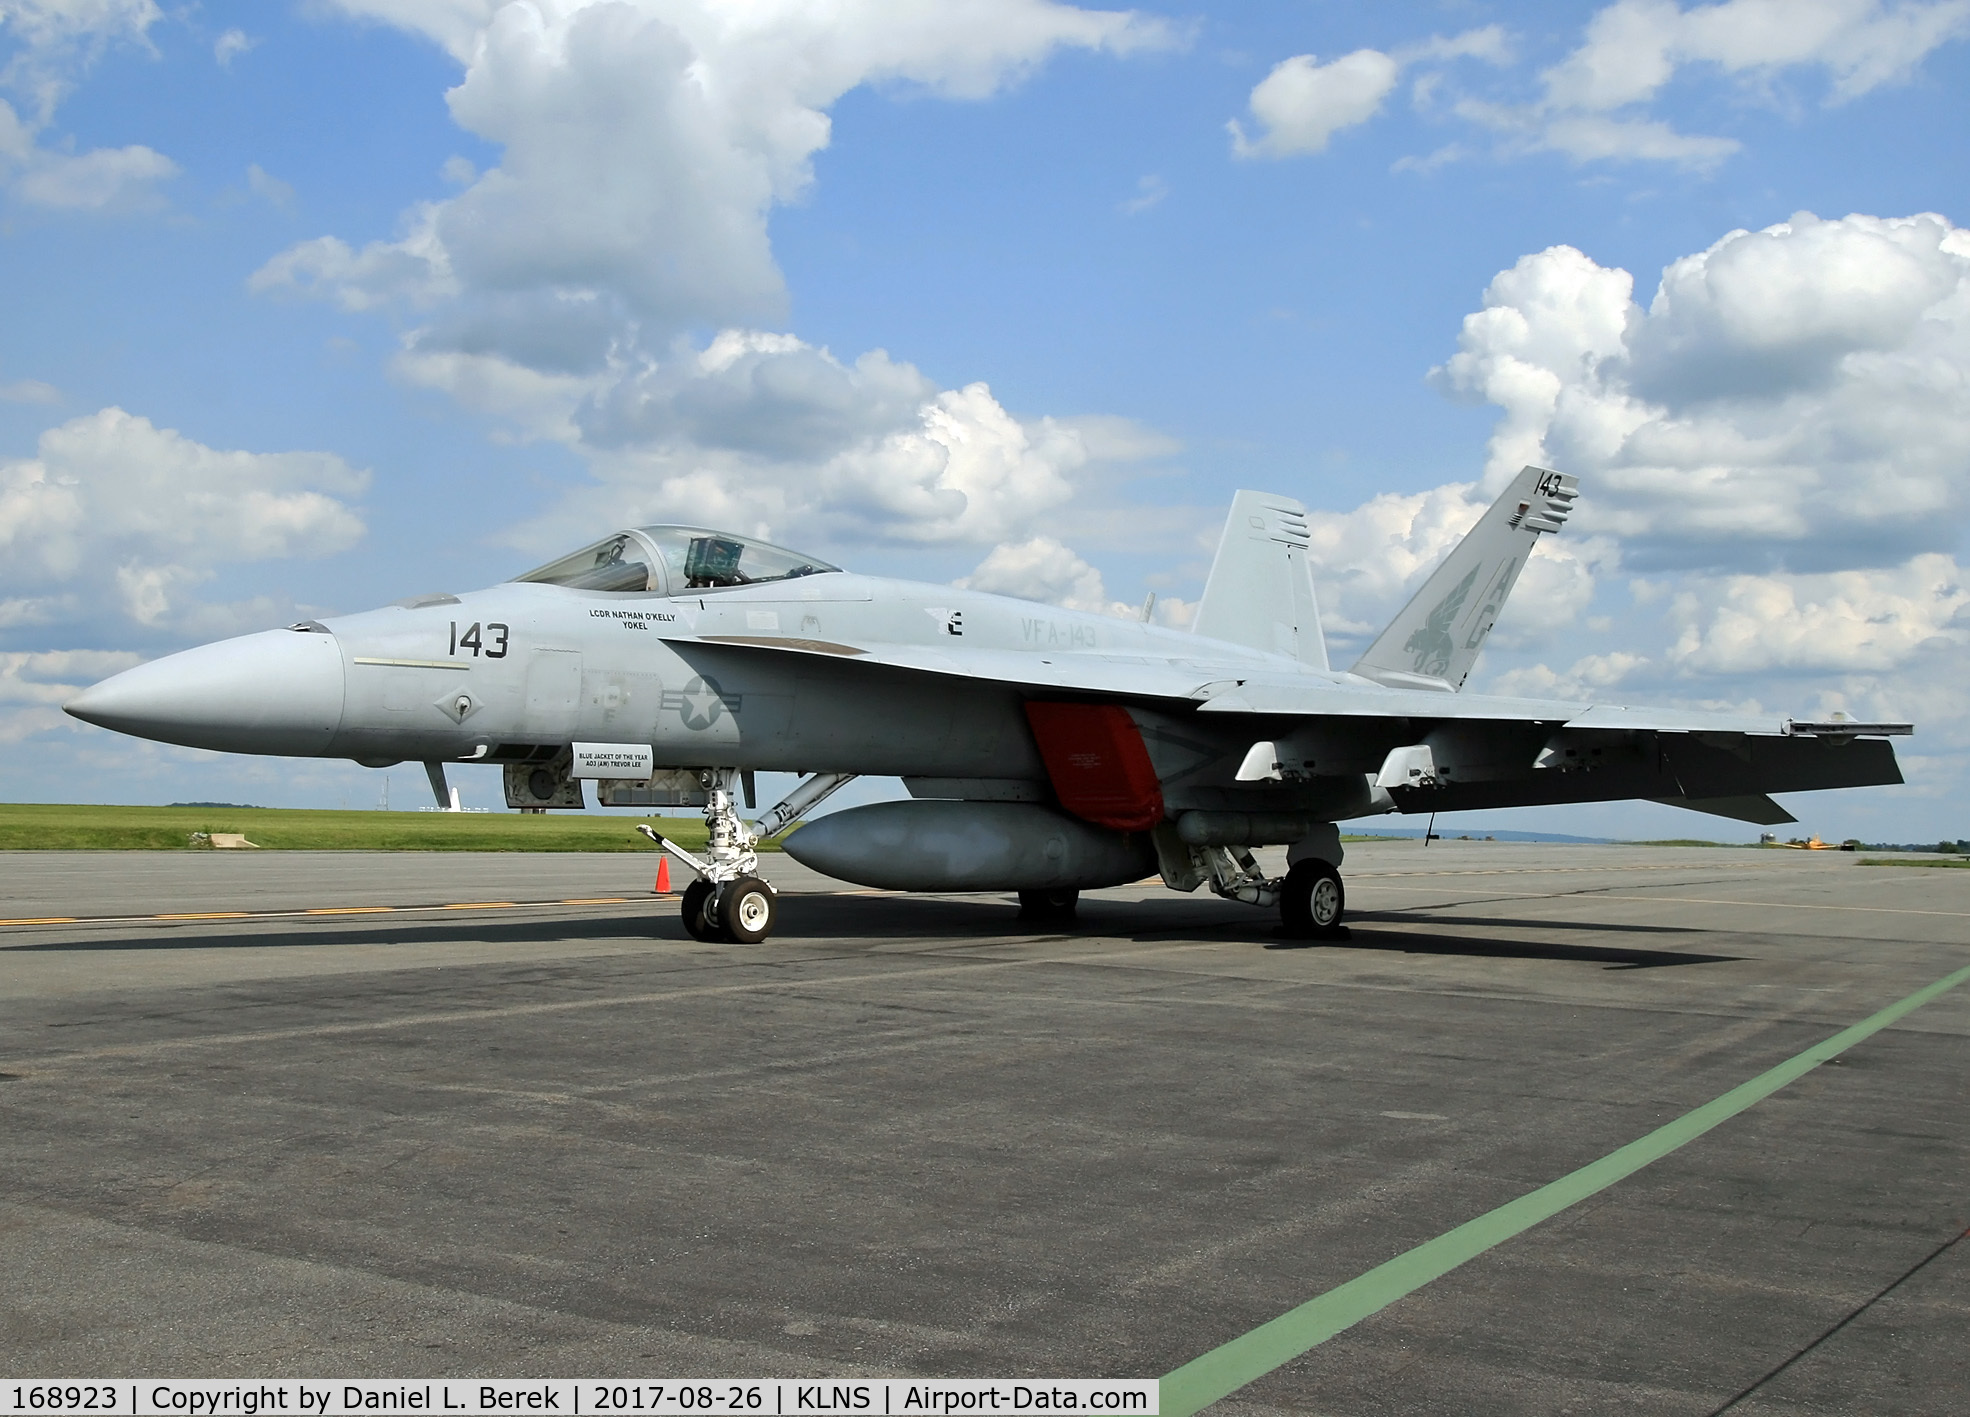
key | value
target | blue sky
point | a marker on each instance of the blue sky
(311, 306)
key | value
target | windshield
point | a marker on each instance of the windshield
(622, 562)
(678, 558)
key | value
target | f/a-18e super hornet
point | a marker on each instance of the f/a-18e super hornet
(1045, 751)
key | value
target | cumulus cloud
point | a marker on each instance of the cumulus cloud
(763, 393)
(1302, 103)
(1041, 568)
(1150, 190)
(1868, 620)
(52, 43)
(29, 391)
(414, 270)
(644, 144)
(230, 46)
(767, 433)
(102, 179)
(55, 38)
(1794, 399)
(1587, 678)
(269, 188)
(1591, 107)
(1634, 47)
(114, 512)
(1594, 104)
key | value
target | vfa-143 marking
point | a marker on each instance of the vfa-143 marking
(1046, 752)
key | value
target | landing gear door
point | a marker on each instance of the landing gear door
(667, 787)
(543, 785)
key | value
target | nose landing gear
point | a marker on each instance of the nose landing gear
(728, 901)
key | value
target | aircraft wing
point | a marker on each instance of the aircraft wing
(1438, 752)
(1209, 685)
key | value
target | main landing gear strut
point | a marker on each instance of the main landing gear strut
(728, 901)
(1310, 896)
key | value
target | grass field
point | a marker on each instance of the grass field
(36, 827)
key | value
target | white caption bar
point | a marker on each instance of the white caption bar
(583, 1397)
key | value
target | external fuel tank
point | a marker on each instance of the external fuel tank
(970, 846)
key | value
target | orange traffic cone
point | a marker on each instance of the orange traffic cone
(663, 875)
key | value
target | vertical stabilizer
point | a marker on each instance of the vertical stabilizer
(1434, 642)
(1260, 593)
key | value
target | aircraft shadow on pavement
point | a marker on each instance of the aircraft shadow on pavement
(823, 919)
(905, 917)
(317, 937)
(1501, 922)
(1365, 937)
(804, 920)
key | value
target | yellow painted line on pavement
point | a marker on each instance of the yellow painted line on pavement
(303, 913)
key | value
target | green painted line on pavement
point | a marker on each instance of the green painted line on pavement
(1225, 1369)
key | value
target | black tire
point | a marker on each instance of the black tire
(747, 909)
(1312, 901)
(697, 896)
(1052, 907)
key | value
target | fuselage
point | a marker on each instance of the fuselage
(510, 671)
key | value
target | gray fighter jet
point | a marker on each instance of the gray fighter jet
(1045, 751)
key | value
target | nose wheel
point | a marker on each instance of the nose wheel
(696, 896)
(740, 912)
(746, 909)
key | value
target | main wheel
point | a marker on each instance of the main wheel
(1312, 900)
(746, 909)
(697, 896)
(1054, 907)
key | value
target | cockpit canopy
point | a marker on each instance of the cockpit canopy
(674, 559)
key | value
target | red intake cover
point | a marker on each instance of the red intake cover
(1099, 767)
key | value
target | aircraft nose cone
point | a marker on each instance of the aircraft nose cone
(279, 691)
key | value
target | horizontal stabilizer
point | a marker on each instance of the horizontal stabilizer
(1847, 728)
(1434, 642)
(1758, 809)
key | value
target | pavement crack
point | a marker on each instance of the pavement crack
(1897, 1282)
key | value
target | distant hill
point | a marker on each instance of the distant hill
(224, 806)
(1416, 834)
